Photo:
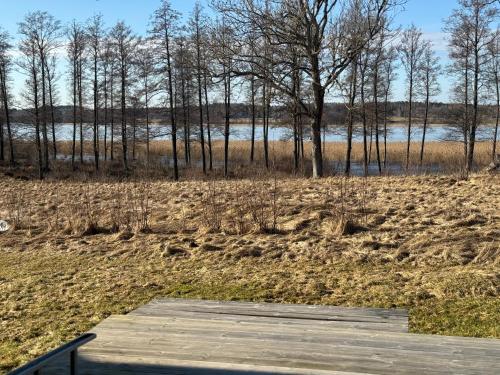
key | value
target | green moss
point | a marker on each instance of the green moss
(475, 317)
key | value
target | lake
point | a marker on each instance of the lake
(395, 133)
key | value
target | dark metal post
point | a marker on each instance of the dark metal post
(74, 362)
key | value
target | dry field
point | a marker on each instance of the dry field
(80, 251)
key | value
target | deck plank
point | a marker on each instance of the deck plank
(370, 318)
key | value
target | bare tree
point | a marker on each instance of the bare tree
(460, 55)
(76, 44)
(5, 69)
(106, 58)
(222, 42)
(124, 42)
(205, 53)
(81, 89)
(51, 69)
(298, 145)
(197, 25)
(494, 81)
(324, 32)
(470, 25)
(378, 58)
(182, 68)
(411, 51)
(30, 65)
(351, 97)
(95, 32)
(363, 73)
(112, 80)
(146, 64)
(389, 75)
(134, 103)
(164, 27)
(429, 80)
(45, 31)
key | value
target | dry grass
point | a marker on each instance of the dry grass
(81, 251)
(446, 156)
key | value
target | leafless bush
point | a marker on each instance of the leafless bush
(91, 214)
(70, 217)
(82, 216)
(264, 205)
(116, 211)
(363, 201)
(16, 209)
(213, 208)
(126, 214)
(129, 211)
(275, 208)
(348, 205)
(53, 206)
(239, 208)
(141, 207)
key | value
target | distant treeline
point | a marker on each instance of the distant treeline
(335, 113)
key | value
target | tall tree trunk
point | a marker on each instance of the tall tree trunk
(386, 99)
(265, 124)
(350, 123)
(301, 137)
(370, 141)
(227, 101)
(207, 111)
(475, 111)
(200, 100)
(172, 114)
(5, 97)
(96, 116)
(52, 116)
(44, 115)
(37, 117)
(73, 145)
(426, 117)
(319, 101)
(184, 115)
(134, 131)
(363, 118)
(495, 133)
(80, 103)
(53, 122)
(105, 138)
(252, 99)
(124, 118)
(148, 157)
(466, 124)
(410, 112)
(112, 109)
(317, 156)
(188, 113)
(325, 158)
(2, 143)
(296, 139)
(377, 139)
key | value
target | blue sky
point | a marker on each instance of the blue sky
(425, 14)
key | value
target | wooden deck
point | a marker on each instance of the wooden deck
(173, 336)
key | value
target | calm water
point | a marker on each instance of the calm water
(396, 133)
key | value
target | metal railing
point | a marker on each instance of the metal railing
(35, 367)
